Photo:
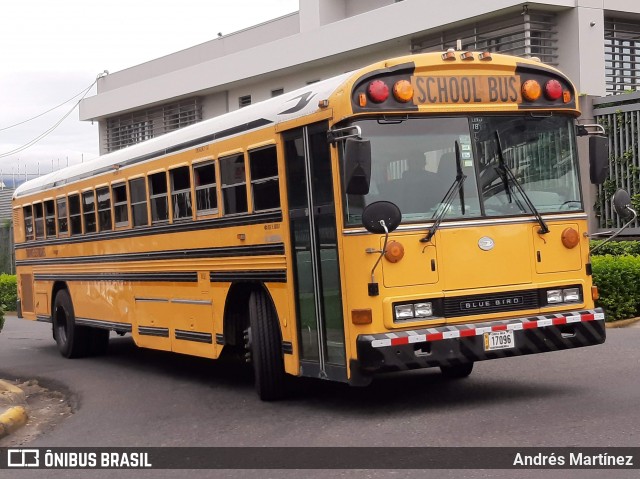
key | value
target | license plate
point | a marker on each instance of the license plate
(499, 340)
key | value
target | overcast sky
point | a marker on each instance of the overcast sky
(50, 50)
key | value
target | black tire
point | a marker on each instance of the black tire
(457, 371)
(98, 341)
(72, 340)
(266, 348)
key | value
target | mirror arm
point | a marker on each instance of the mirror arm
(633, 218)
(340, 134)
(583, 131)
(373, 286)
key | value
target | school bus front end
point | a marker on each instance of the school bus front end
(464, 238)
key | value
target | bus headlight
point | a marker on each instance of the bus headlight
(404, 311)
(571, 295)
(554, 296)
(423, 309)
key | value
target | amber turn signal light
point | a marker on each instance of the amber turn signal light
(570, 238)
(403, 91)
(394, 252)
(531, 90)
(361, 316)
(595, 295)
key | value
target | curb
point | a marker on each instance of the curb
(623, 323)
(15, 416)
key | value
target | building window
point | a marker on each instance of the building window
(50, 218)
(244, 101)
(158, 197)
(263, 165)
(39, 220)
(234, 184)
(89, 211)
(75, 219)
(120, 207)
(104, 208)
(132, 128)
(622, 55)
(523, 34)
(27, 212)
(63, 222)
(139, 215)
(181, 193)
(204, 176)
(277, 92)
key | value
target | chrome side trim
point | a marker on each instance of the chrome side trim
(203, 302)
(473, 223)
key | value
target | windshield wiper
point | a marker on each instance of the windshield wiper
(507, 175)
(449, 196)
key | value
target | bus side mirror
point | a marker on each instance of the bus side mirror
(357, 166)
(598, 159)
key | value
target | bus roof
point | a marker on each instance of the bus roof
(288, 106)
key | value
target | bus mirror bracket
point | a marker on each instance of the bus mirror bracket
(621, 202)
(340, 134)
(378, 218)
(598, 151)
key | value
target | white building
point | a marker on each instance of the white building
(595, 42)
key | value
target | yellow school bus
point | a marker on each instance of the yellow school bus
(424, 211)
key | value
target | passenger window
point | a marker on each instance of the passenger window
(181, 193)
(74, 215)
(27, 212)
(50, 218)
(104, 208)
(138, 192)
(63, 222)
(120, 209)
(263, 165)
(204, 176)
(158, 197)
(89, 211)
(234, 185)
(39, 220)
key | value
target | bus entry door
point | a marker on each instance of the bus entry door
(315, 253)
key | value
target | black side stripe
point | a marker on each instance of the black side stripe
(178, 227)
(43, 318)
(265, 276)
(198, 253)
(98, 323)
(220, 339)
(252, 125)
(128, 277)
(151, 331)
(194, 336)
(287, 347)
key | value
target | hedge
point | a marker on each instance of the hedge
(617, 248)
(618, 281)
(8, 295)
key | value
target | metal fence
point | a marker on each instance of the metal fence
(620, 117)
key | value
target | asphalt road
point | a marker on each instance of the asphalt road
(136, 397)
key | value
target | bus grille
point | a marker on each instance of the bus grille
(491, 303)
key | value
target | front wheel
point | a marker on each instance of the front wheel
(457, 371)
(266, 348)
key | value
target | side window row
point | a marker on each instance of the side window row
(162, 195)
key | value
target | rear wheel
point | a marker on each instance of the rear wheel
(457, 371)
(266, 348)
(72, 340)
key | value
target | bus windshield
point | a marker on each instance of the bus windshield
(414, 164)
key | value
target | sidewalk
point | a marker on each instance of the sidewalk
(13, 412)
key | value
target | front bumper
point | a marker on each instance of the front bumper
(463, 343)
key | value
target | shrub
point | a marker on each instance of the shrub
(617, 248)
(618, 281)
(8, 291)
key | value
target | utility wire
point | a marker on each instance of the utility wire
(55, 125)
(49, 110)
